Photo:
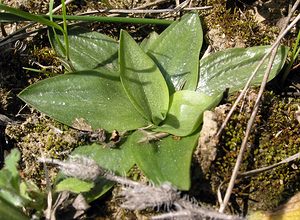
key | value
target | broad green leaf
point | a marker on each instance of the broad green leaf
(6, 179)
(186, 112)
(13, 197)
(176, 52)
(11, 188)
(10, 212)
(142, 80)
(74, 185)
(11, 162)
(232, 68)
(10, 180)
(89, 49)
(166, 160)
(118, 160)
(85, 100)
(35, 197)
(147, 42)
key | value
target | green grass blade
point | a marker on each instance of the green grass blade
(7, 17)
(31, 17)
(64, 13)
(62, 48)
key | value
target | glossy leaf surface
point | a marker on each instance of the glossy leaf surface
(147, 42)
(89, 49)
(176, 52)
(94, 99)
(10, 180)
(186, 112)
(166, 160)
(11, 212)
(74, 185)
(118, 160)
(142, 80)
(232, 68)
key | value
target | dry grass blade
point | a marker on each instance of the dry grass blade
(149, 4)
(145, 11)
(48, 211)
(263, 169)
(189, 210)
(255, 109)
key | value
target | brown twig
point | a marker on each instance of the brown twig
(273, 52)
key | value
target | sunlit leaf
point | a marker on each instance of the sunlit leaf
(94, 98)
(142, 80)
(186, 112)
(166, 160)
(118, 160)
(176, 52)
(10, 212)
(11, 162)
(232, 68)
(10, 180)
(89, 49)
(147, 42)
(74, 185)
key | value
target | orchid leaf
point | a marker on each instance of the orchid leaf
(166, 160)
(11, 212)
(186, 112)
(142, 80)
(232, 68)
(74, 185)
(88, 49)
(176, 52)
(85, 100)
(147, 42)
(118, 160)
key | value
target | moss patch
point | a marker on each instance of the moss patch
(275, 136)
(39, 136)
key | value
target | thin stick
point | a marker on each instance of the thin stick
(263, 169)
(247, 134)
(144, 11)
(48, 210)
(141, 7)
(255, 109)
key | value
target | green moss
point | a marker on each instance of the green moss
(235, 28)
(275, 136)
(39, 136)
